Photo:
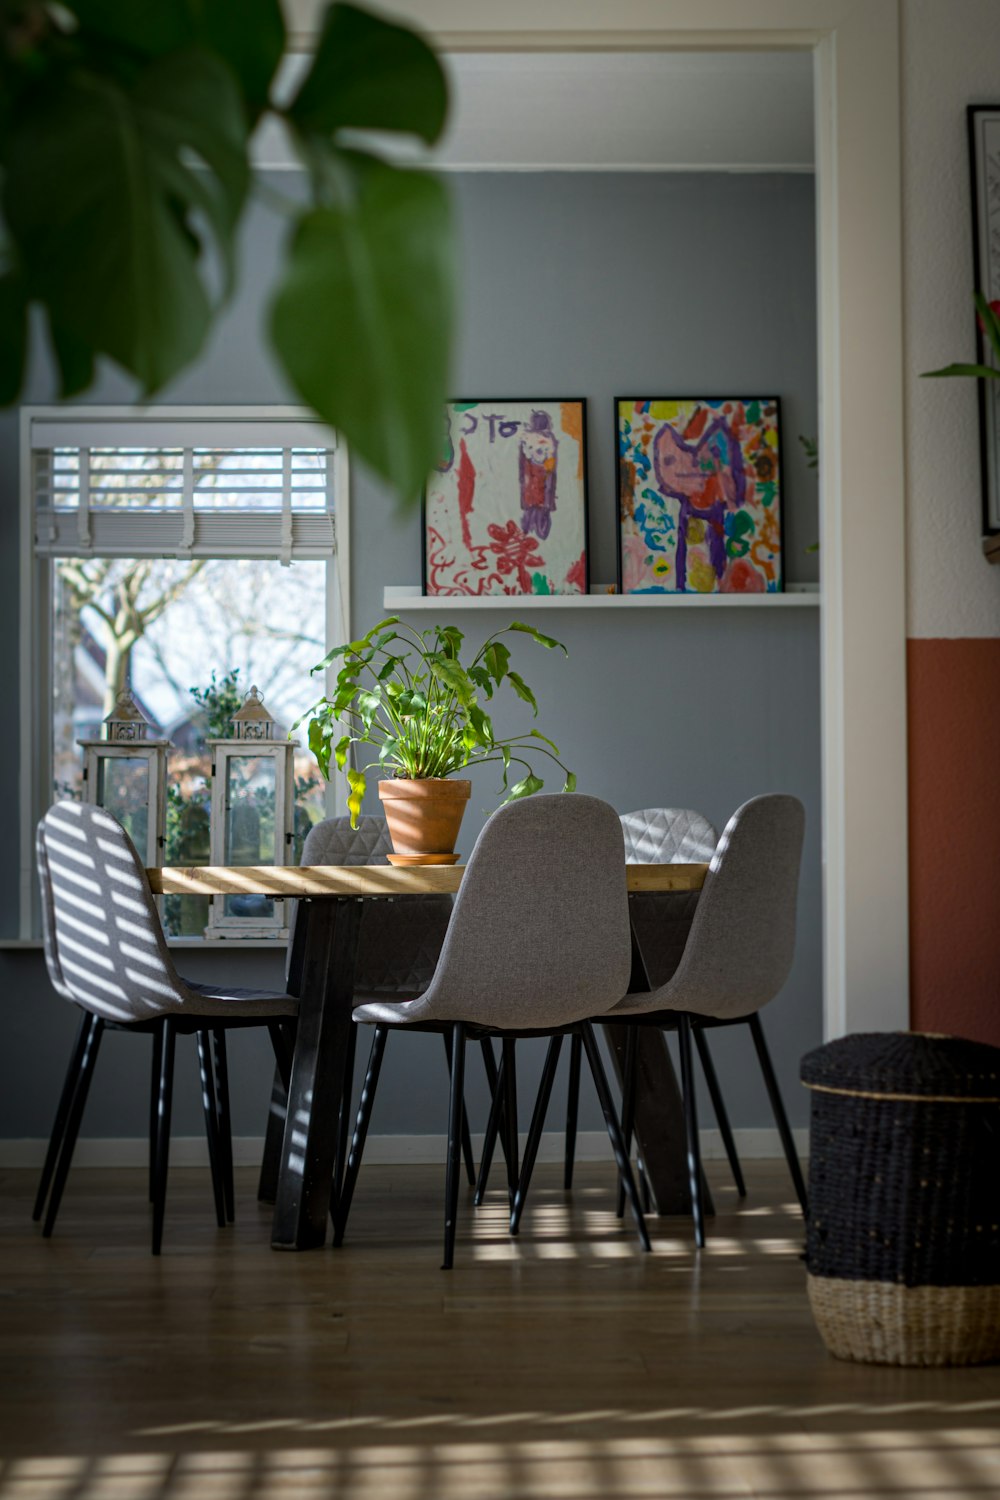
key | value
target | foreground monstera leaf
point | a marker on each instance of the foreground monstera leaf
(363, 320)
(105, 191)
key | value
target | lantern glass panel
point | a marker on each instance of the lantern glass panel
(123, 791)
(251, 805)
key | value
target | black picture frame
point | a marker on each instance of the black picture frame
(708, 400)
(984, 138)
(466, 402)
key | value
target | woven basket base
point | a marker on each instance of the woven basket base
(883, 1323)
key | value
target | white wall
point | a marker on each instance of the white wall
(950, 58)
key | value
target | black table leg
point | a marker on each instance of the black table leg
(308, 1152)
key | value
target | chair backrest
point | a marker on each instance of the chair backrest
(668, 836)
(104, 940)
(742, 939)
(661, 920)
(539, 932)
(400, 941)
(334, 842)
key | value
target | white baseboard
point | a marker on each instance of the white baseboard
(387, 1150)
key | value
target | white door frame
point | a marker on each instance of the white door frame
(855, 45)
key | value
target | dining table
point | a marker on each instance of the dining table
(321, 968)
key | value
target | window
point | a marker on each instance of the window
(185, 555)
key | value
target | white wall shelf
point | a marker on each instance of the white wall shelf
(409, 597)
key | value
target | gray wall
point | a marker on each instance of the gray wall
(576, 284)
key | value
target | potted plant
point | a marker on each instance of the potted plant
(407, 694)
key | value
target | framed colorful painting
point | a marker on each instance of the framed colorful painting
(699, 495)
(505, 511)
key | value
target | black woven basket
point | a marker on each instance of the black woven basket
(903, 1238)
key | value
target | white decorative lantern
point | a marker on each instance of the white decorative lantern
(126, 773)
(253, 793)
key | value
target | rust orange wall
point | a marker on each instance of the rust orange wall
(954, 796)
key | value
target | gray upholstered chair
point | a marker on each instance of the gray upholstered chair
(661, 921)
(106, 953)
(538, 941)
(737, 957)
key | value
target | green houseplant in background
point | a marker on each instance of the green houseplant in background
(408, 695)
(989, 323)
(125, 165)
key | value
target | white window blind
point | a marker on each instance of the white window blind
(168, 486)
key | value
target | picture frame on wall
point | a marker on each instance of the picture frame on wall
(505, 511)
(699, 494)
(984, 156)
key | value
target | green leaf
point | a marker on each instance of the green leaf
(979, 372)
(75, 359)
(536, 734)
(451, 638)
(370, 74)
(148, 30)
(368, 703)
(505, 753)
(482, 726)
(356, 782)
(454, 677)
(522, 689)
(250, 35)
(536, 635)
(13, 336)
(101, 195)
(362, 321)
(340, 753)
(496, 658)
(525, 788)
(990, 323)
(569, 785)
(409, 703)
(482, 679)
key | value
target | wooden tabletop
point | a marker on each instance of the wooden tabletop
(369, 880)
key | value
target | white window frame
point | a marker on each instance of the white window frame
(35, 774)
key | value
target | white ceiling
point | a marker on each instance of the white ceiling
(655, 110)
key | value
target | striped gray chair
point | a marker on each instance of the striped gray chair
(106, 953)
(737, 957)
(538, 941)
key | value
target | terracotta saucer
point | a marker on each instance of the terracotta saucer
(423, 859)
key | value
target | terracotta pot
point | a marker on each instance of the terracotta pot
(424, 818)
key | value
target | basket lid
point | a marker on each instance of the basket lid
(905, 1064)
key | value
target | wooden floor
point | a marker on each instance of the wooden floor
(569, 1365)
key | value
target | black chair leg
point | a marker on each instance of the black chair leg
(691, 1128)
(456, 1112)
(630, 1068)
(87, 1023)
(282, 1050)
(572, 1107)
(535, 1131)
(154, 1095)
(344, 1122)
(780, 1117)
(87, 1064)
(225, 1118)
(267, 1182)
(510, 1116)
(495, 1125)
(614, 1130)
(343, 1204)
(467, 1156)
(718, 1105)
(164, 1106)
(211, 1126)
